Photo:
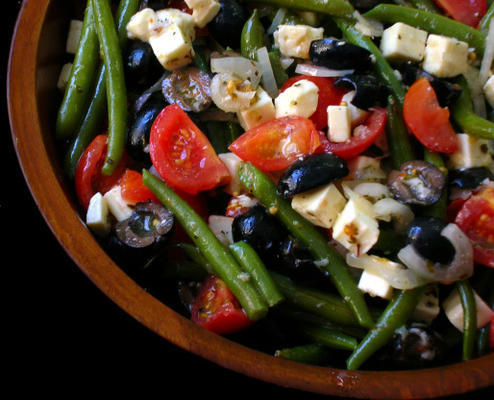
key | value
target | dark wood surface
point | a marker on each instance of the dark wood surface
(66, 337)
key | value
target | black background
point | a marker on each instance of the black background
(67, 338)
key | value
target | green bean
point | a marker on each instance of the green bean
(425, 5)
(221, 134)
(331, 263)
(438, 209)
(185, 270)
(389, 242)
(486, 20)
(252, 37)
(222, 261)
(251, 263)
(116, 93)
(279, 72)
(195, 255)
(81, 78)
(396, 314)
(469, 318)
(381, 65)
(312, 353)
(397, 134)
(339, 8)
(329, 337)
(430, 22)
(463, 114)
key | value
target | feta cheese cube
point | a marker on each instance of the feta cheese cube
(473, 152)
(339, 123)
(374, 285)
(299, 99)
(366, 168)
(98, 215)
(489, 90)
(172, 48)
(294, 40)
(74, 36)
(357, 115)
(454, 310)
(203, 11)
(320, 206)
(402, 42)
(63, 78)
(428, 306)
(232, 162)
(355, 230)
(142, 24)
(262, 110)
(221, 226)
(445, 57)
(116, 204)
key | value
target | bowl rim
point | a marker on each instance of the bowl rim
(50, 196)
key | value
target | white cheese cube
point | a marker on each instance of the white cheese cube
(203, 11)
(172, 48)
(74, 36)
(116, 204)
(173, 16)
(299, 99)
(454, 310)
(262, 110)
(142, 24)
(221, 226)
(489, 90)
(428, 306)
(374, 285)
(98, 215)
(473, 152)
(402, 42)
(445, 57)
(339, 123)
(320, 206)
(232, 162)
(366, 168)
(355, 229)
(357, 115)
(63, 78)
(294, 40)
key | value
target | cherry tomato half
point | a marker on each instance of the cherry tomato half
(274, 145)
(182, 154)
(328, 96)
(133, 190)
(88, 177)
(427, 120)
(363, 136)
(469, 12)
(216, 308)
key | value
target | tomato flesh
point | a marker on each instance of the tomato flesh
(469, 12)
(182, 154)
(427, 120)
(88, 177)
(328, 96)
(276, 144)
(133, 190)
(216, 308)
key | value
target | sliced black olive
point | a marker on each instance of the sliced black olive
(415, 346)
(469, 178)
(417, 182)
(312, 171)
(369, 90)
(447, 92)
(189, 88)
(226, 26)
(424, 234)
(155, 4)
(296, 262)
(141, 65)
(140, 126)
(338, 54)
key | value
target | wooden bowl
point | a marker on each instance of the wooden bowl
(35, 61)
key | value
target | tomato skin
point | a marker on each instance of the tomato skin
(328, 96)
(216, 308)
(427, 120)
(182, 154)
(133, 190)
(88, 178)
(276, 144)
(469, 12)
(363, 136)
(476, 220)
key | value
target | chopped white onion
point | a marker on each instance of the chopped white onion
(268, 79)
(277, 19)
(471, 75)
(238, 66)
(286, 62)
(227, 98)
(367, 26)
(486, 64)
(316, 70)
(390, 209)
(460, 268)
(396, 274)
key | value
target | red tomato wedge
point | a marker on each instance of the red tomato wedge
(276, 144)
(328, 96)
(88, 177)
(133, 190)
(182, 154)
(363, 136)
(469, 12)
(476, 220)
(427, 120)
(216, 308)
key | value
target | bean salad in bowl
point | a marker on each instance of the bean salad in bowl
(313, 179)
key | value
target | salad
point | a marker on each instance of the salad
(314, 179)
